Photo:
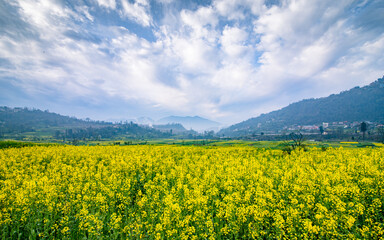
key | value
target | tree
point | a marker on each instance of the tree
(57, 134)
(380, 133)
(363, 128)
(294, 141)
(339, 132)
(298, 140)
(321, 129)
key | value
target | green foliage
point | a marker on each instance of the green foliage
(365, 144)
(14, 144)
(363, 127)
(380, 134)
(321, 129)
(295, 141)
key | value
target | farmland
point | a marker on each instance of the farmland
(190, 192)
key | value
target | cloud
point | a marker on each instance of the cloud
(137, 11)
(304, 44)
(226, 60)
(165, 1)
(233, 42)
(107, 3)
(238, 10)
(54, 62)
(200, 18)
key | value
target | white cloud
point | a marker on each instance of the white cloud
(107, 3)
(137, 11)
(195, 56)
(362, 64)
(232, 79)
(84, 10)
(43, 13)
(230, 9)
(302, 38)
(201, 22)
(210, 60)
(80, 69)
(237, 9)
(165, 1)
(200, 18)
(233, 41)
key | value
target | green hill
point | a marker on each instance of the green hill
(34, 124)
(355, 105)
(15, 120)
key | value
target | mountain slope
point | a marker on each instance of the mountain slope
(174, 127)
(28, 119)
(33, 122)
(357, 104)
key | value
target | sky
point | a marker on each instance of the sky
(225, 60)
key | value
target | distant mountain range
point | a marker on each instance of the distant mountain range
(25, 123)
(196, 123)
(357, 104)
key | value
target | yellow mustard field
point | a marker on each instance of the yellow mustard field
(179, 192)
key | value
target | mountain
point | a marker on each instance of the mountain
(355, 105)
(196, 123)
(24, 123)
(144, 121)
(175, 128)
(25, 119)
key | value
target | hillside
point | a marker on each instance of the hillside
(25, 119)
(171, 127)
(26, 124)
(357, 104)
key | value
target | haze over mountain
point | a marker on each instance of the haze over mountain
(357, 104)
(195, 123)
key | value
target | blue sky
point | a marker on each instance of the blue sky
(226, 60)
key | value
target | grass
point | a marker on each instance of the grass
(192, 142)
(17, 144)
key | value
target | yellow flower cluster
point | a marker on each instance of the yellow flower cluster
(180, 192)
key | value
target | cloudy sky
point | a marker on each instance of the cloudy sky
(226, 60)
